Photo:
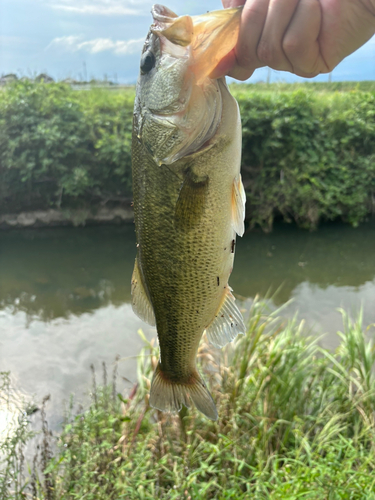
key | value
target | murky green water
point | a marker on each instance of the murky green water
(65, 293)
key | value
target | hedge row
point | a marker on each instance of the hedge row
(63, 148)
(307, 155)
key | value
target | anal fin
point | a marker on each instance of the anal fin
(140, 302)
(227, 323)
(238, 205)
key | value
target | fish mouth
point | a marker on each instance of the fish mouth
(184, 117)
(210, 37)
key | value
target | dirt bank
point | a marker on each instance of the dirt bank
(55, 218)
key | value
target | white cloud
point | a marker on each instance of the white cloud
(102, 7)
(76, 43)
(65, 42)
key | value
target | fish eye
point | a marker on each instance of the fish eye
(147, 62)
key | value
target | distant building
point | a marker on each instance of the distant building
(8, 79)
(45, 78)
(70, 81)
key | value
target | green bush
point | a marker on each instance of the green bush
(62, 148)
(307, 156)
(308, 152)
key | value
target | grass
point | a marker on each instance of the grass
(295, 422)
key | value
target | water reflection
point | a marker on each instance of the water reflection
(12, 409)
(335, 256)
(65, 295)
(58, 272)
(54, 357)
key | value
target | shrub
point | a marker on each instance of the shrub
(61, 148)
(308, 154)
(308, 157)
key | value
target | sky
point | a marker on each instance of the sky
(84, 39)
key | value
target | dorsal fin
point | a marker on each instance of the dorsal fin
(227, 322)
(140, 302)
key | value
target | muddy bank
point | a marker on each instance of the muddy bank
(53, 218)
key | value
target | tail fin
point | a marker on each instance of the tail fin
(167, 395)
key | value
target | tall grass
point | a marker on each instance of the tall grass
(295, 421)
(14, 433)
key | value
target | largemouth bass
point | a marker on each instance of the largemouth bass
(189, 201)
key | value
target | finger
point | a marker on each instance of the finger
(242, 61)
(252, 21)
(225, 65)
(243, 73)
(232, 3)
(270, 48)
(300, 43)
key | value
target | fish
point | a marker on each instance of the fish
(188, 196)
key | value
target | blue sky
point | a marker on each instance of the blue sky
(75, 38)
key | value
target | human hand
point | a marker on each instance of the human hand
(304, 37)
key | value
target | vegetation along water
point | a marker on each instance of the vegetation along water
(296, 421)
(307, 149)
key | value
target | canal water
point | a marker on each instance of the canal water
(65, 296)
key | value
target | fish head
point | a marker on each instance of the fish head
(178, 106)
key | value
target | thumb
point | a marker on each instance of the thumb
(225, 65)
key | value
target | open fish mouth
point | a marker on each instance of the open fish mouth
(210, 36)
(178, 106)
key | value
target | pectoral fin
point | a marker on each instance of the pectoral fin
(227, 323)
(191, 201)
(140, 302)
(238, 205)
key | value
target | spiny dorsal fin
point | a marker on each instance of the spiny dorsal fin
(140, 302)
(227, 323)
(169, 395)
(238, 205)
